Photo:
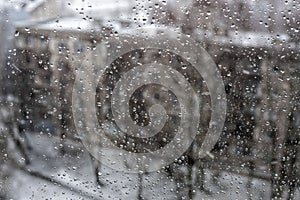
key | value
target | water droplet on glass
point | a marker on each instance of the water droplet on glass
(17, 33)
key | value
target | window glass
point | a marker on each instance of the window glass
(149, 99)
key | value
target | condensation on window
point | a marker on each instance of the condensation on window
(150, 99)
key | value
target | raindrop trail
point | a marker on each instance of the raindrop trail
(15, 67)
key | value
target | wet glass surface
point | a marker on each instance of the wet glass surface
(150, 99)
